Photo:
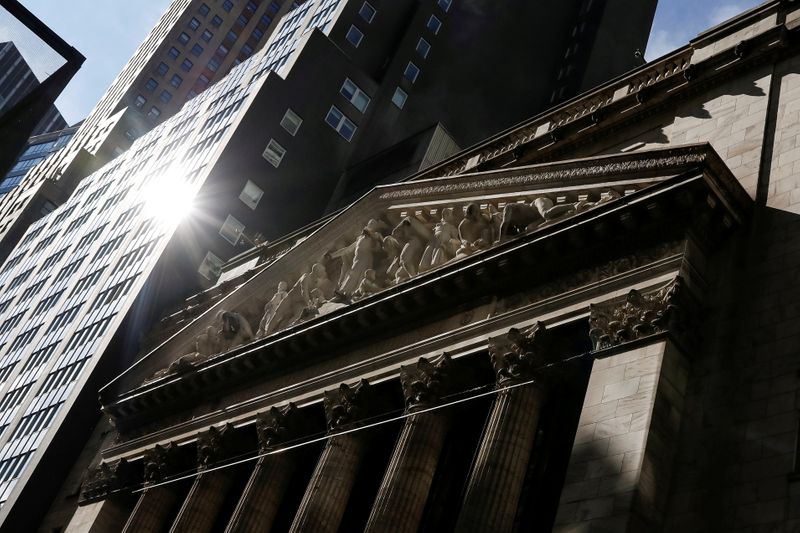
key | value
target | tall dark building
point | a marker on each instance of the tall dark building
(16, 81)
(587, 322)
(343, 95)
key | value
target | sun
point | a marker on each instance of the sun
(168, 197)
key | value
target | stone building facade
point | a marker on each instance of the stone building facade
(586, 323)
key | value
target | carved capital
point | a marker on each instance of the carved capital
(215, 445)
(423, 383)
(522, 354)
(277, 426)
(640, 315)
(160, 462)
(345, 406)
(104, 479)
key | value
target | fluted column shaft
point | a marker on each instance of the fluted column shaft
(199, 510)
(496, 481)
(329, 490)
(263, 494)
(405, 487)
(152, 510)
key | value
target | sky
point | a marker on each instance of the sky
(107, 32)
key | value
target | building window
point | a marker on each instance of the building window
(354, 36)
(194, 23)
(227, 5)
(434, 24)
(176, 81)
(162, 69)
(151, 85)
(251, 6)
(197, 50)
(140, 101)
(291, 122)
(174, 53)
(187, 65)
(251, 194)
(338, 121)
(154, 112)
(222, 50)
(242, 21)
(206, 35)
(399, 98)
(266, 20)
(423, 47)
(203, 10)
(191, 94)
(165, 96)
(213, 65)
(232, 36)
(367, 12)
(274, 6)
(357, 97)
(203, 80)
(257, 35)
(247, 50)
(411, 73)
(445, 4)
(211, 267)
(183, 38)
(231, 230)
(216, 21)
(274, 153)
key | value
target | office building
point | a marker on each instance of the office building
(257, 155)
(38, 148)
(592, 325)
(192, 45)
(17, 80)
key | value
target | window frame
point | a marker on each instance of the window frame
(293, 118)
(356, 93)
(369, 7)
(353, 28)
(274, 157)
(397, 91)
(411, 65)
(438, 24)
(342, 120)
(426, 47)
(249, 200)
(239, 231)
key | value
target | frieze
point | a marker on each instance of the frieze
(424, 382)
(548, 176)
(640, 315)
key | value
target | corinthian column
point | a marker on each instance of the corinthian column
(264, 492)
(404, 490)
(495, 483)
(329, 490)
(152, 511)
(201, 506)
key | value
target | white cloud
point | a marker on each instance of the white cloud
(729, 10)
(662, 42)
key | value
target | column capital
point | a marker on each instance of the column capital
(423, 382)
(215, 444)
(640, 315)
(345, 406)
(160, 462)
(105, 478)
(521, 354)
(278, 425)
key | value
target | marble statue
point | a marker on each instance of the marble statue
(271, 308)
(475, 231)
(445, 243)
(367, 286)
(414, 236)
(364, 249)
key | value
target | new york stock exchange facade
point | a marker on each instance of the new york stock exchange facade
(588, 322)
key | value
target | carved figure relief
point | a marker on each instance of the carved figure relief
(377, 259)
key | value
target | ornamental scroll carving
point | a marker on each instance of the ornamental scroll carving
(640, 315)
(424, 382)
(104, 479)
(277, 426)
(160, 462)
(524, 354)
(215, 445)
(346, 406)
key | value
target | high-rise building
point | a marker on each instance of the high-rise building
(341, 96)
(17, 80)
(592, 326)
(193, 44)
(38, 148)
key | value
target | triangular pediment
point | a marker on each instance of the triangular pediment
(401, 236)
